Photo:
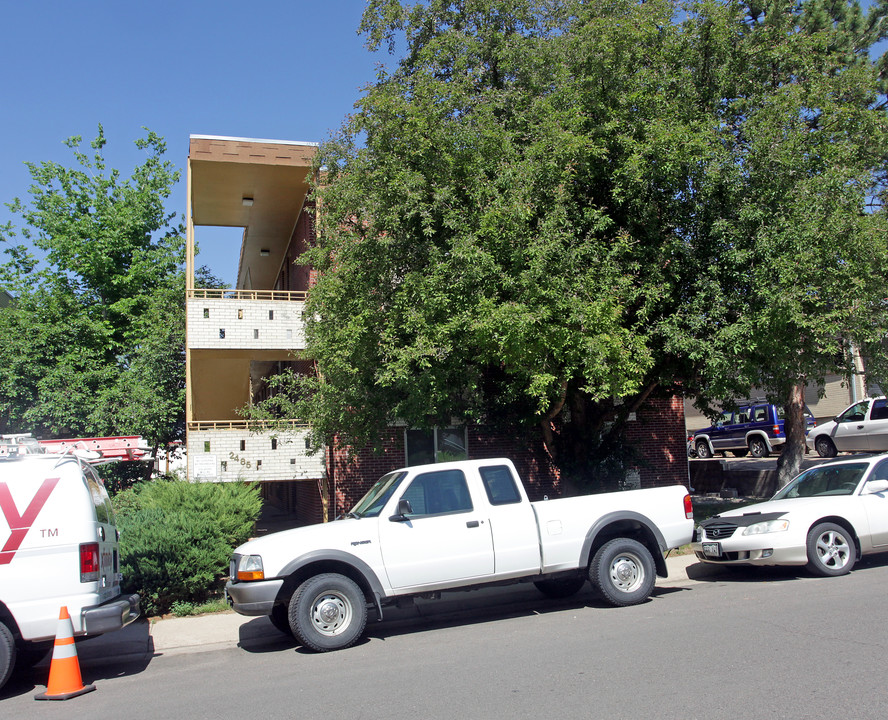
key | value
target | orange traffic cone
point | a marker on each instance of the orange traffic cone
(64, 670)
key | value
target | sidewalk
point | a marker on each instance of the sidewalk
(143, 639)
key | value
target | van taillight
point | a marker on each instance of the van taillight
(689, 508)
(89, 562)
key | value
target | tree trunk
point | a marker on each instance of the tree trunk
(789, 464)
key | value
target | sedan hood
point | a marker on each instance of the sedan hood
(778, 508)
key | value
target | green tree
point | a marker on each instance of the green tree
(93, 342)
(803, 115)
(544, 207)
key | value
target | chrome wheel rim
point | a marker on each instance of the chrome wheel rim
(833, 550)
(627, 572)
(331, 613)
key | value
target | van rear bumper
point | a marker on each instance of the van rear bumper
(111, 615)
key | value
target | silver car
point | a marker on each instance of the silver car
(863, 427)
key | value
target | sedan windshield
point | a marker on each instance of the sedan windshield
(372, 503)
(825, 480)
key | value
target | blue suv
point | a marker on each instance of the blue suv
(756, 429)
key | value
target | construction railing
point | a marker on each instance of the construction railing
(251, 425)
(286, 295)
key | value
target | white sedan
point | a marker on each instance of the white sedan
(825, 519)
(862, 427)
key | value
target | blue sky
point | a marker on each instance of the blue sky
(265, 69)
(287, 70)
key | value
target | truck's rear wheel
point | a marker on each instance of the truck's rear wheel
(7, 654)
(560, 587)
(623, 572)
(328, 612)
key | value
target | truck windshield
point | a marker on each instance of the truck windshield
(826, 480)
(372, 503)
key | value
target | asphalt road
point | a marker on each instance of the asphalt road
(772, 643)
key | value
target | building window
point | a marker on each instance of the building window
(255, 334)
(243, 445)
(271, 314)
(206, 445)
(274, 443)
(240, 314)
(435, 445)
(206, 312)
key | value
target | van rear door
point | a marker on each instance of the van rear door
(100, 561)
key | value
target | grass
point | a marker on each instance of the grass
(187, 609)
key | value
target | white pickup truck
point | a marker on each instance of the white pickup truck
(428, 528)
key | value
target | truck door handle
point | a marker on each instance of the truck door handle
(472, 523)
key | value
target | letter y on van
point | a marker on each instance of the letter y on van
(20, 524)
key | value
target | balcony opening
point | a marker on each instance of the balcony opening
(218, 249)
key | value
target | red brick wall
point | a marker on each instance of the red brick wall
(294, 276)
(309, 507)
(354, 477)
(658, 434)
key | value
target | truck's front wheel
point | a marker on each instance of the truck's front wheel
(623, 572)
(328, 612)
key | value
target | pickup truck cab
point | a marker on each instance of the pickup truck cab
(429, 528)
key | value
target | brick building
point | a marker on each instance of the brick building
(236, 339)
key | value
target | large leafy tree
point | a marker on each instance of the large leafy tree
(544, 207)
(93, 342)
(802, 113)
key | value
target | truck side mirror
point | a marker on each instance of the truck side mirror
(404, 510)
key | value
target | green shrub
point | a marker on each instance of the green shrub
(176, 538)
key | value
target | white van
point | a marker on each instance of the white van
(58, 546)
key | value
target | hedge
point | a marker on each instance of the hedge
(176, 538)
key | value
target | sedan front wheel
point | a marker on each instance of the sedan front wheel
(831, 550)
(825, 447)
